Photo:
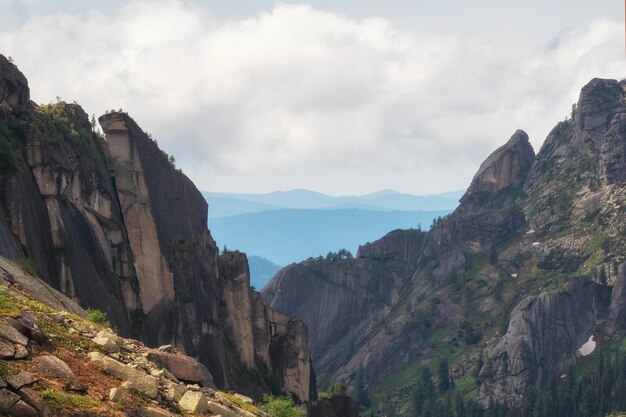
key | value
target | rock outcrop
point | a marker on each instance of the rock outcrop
(543, 337)
(14, 91)
(506, 167)
(526, 229)
(112, 224)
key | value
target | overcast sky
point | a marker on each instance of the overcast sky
(342, 97)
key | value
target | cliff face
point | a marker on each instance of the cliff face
(544, 335)
(533, 247)
(113, 225)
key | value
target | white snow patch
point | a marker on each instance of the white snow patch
(588, 347)
(531, 232)
(514, 275)
(536, 243)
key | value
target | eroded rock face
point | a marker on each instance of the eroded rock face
(617, 309)
(14, 89)
(543, 337)
(113, 225)
(506, 167)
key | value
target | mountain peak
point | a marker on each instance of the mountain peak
(506, 166)
(14, 89)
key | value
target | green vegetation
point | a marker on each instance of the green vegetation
(68, 401)
(29, 267)
(339, 255)
(334, 390)
(98, 317)
(239, 402)
(281, 407)
(8, 305)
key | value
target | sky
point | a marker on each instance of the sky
(341, 97)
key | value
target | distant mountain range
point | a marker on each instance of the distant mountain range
(279, 228)
(224, 204)
(291, 235)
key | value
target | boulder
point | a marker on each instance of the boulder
(7, 350)
(21, 379)
(194, 402)
(107, 340)
(133, 378)
(217, 408)
(54, 367)
(182, 367)
(21, 409)
(116, 395)
(20, 352)
(7, 399)
(12, 335)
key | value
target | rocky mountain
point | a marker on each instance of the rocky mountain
(111, 224)
(507, 291)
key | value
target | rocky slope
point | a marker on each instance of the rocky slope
(113, 225)
(513, 282)
(55, 362)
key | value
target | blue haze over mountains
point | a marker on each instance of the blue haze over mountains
(278, 228)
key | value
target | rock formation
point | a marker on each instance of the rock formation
(510, 256)
(506, 167)
(543, 338)
(61, 364)
(113, 225)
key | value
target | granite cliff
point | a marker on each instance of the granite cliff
(110, 223)
(507, 288)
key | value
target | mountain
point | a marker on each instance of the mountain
(261, 270)
(286, 236)
(225, 204)
(512, 305)
(111, 224)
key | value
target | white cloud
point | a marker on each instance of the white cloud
(298, 97)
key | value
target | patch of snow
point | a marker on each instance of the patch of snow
(536, 243)
(531, 232)
(588, 347)
(563, 376)
(514, 275)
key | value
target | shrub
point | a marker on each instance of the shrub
(98, 317)
(281, 407)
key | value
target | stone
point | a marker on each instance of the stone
(20, 352)
(167, 348)
(174, 391)
(54, 367)
(156, 412)
(21, 379)
(116, 395)
(27, 324)
(7, 350)
(33, 399)
(7, 399)
(107, 340)
(134, 378)
(21, 409)
(217, 408)
(243, 398)
(12, 335)
(194, 402)
(182, 367)
(3, 383)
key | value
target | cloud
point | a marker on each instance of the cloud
(299, 97)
